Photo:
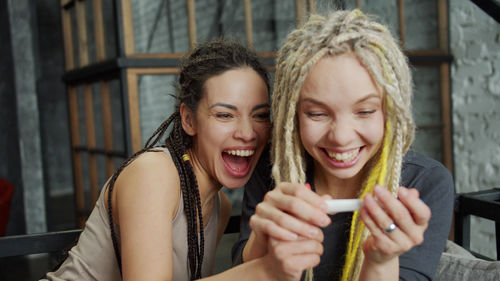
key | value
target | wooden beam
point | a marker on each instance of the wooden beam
(99, 30)
(300, 11)
(445, 88)
(91, 142)
(446, 116)
(191, 23)
(128, 27)
(77, 157)
(81, 23)
(134, 113)
(442, 8)
(153, 71)
(248, 23)
(107, 125)
(401, 17)
(312, 6)
(69, 57)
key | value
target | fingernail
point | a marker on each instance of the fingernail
(325, 221)
(403, 192)
(324, 207)
(308, 185)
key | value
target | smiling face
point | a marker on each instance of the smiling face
(341, 117)
(231, 126)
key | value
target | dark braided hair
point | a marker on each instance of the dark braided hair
(205, 61)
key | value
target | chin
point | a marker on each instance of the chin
(235, 183)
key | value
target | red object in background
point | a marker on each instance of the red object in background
(6, 191)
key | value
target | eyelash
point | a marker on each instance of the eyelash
(224, 115)
(367, 112)
(263, 115)
(312, 114)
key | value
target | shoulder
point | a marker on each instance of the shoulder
(417, 167)
(416, 160)
(151, 178)
(433, 180)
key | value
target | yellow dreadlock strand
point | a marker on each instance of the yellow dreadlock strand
(378, 175)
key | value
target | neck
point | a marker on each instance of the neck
(335, 187)
(207, 186)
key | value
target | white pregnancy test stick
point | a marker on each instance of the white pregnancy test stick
(343, 205)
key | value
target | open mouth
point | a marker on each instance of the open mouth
(237, 161)
(344, 159)
(344, 156)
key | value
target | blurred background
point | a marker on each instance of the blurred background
(85, 82)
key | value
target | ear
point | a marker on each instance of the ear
(188, 120)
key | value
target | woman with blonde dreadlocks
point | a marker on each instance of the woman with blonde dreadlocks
(343, 126)
(162, 214)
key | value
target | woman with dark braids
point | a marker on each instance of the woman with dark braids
(162, 213)
(343, 124)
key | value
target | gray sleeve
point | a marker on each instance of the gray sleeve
(260, 182)
(436, 188)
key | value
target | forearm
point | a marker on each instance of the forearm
(253, 248)
(385, 271)
(256, 269)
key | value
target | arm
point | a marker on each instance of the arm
(146, 199)
(435, 186)
(146, 206)
(382, 248)
(289, 212)
(284, 261)
(250, 245)
(255, 189)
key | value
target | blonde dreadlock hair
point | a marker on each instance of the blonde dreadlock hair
(342, 32)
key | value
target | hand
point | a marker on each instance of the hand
(288, 212)
(287, 260)
(409, 214)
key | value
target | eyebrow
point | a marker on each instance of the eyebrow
(369, 96)
(365, 98)
(232, 107)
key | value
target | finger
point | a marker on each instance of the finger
(305, 193)
(411, 233)
(298, 207)
(420, 212)
(284, 249)
(286, 221)
(379, 215)
(268, 227)
(389, 244)
(395, 209)
(382, 241)
(326, 197)
(411, 191)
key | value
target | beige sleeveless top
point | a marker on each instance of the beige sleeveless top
(93, 258)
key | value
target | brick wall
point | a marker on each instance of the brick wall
(475, 43)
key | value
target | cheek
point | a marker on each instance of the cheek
(376, 132)
(307, 132)
(263, 130)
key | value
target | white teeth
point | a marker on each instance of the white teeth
(241, 153)
(344, 157)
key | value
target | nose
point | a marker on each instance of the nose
(341, 132)
(244, 130)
